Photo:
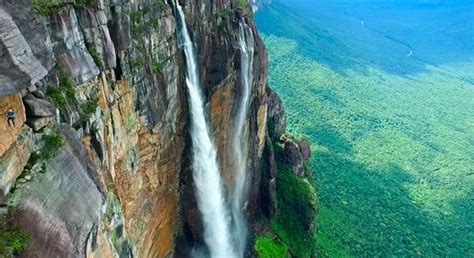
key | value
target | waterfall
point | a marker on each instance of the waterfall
(246, 43)
(209, 189)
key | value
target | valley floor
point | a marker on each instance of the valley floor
(392, 130)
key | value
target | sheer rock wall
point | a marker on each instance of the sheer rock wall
(121, 183)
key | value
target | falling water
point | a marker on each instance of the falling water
(246, 42)
(209, 190)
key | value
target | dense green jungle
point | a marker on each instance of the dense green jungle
(385, 92)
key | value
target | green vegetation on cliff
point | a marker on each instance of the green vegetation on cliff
(65, 94)
(12, 238)
(49, 7)
(244, 4)
(95, 56)
(48, 144)
(295, 218)
(297, 208)
(267, 247)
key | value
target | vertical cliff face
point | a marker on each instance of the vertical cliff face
(118, 179)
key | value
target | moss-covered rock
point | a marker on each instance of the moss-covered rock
(267, 247)
(296, 213)
(297, 208)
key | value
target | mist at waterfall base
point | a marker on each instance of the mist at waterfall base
(246, 44)
(209, 189)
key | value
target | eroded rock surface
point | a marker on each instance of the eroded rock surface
(60, 207)
(38, 107)
(13, 162)
(25, 57)
(276, 115)
(296, 153)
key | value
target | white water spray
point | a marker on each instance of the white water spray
(246, 42)
(209, 190)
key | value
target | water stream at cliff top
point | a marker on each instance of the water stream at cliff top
(209, 188)
(246, 43)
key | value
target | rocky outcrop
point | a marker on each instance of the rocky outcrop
(60, 208)
(70, 48)
(13, 162)
(93, 23)
(295, 154)
(38, 107)
(25, 57)
(276, 115)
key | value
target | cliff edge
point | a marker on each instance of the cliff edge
(98, 162)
